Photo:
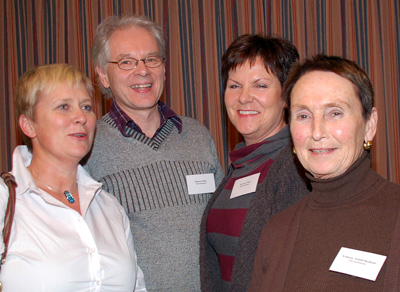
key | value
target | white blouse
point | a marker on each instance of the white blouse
(54, 248)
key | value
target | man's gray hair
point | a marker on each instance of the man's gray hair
(104, 31)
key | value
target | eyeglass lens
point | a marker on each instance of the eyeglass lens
(131, 63)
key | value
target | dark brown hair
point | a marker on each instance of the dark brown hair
(277, 54)
(340, 66)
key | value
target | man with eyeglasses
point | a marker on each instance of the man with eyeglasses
(155, 162)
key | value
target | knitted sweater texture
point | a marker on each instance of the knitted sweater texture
(357, 210)
(283, 186)
(148, 177)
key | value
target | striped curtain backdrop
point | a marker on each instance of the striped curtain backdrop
(36, 32)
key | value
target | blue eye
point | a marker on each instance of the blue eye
(87, 107)
(63, 106)
(302, 117)
(335, 114)
(126, 62)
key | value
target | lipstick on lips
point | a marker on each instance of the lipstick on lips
(250, 112)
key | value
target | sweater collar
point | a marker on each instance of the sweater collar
(244, 154)
(348, 187)
(124, 123)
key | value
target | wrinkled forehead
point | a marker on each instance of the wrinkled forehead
(322, 81)
(50, 88)
(127, 40)
(323, 87)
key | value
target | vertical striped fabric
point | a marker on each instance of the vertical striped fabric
(36, 32)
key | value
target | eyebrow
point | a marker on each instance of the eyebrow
(63, 100)
(122, 56)
(329, 104)
(66, 100)
(87, 99)
(336, 104)
(262, 79)
(257, 80)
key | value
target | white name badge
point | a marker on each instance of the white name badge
(245, 185)
(358, 263)
(200, 183)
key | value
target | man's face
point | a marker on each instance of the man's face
(137, 89)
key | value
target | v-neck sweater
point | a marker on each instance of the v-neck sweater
(148, 177)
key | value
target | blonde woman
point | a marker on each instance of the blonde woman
(68, 234)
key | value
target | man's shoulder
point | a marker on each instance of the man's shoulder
(105, 120)
(190, 124)
(190, 120)
(105, 124)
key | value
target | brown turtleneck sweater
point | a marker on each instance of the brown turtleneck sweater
(357, 210)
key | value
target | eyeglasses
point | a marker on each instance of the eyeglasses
(131, 63)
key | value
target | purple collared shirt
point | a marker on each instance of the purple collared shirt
(122, 120)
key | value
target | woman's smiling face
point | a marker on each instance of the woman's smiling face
(253, 100)
(327, 125)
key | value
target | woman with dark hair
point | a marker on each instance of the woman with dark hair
(343, 236)
(263, 178)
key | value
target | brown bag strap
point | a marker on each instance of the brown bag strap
(9, 179)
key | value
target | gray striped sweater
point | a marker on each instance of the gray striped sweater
(148, 177)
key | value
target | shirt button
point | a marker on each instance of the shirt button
(92, 250)
(98, 283)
